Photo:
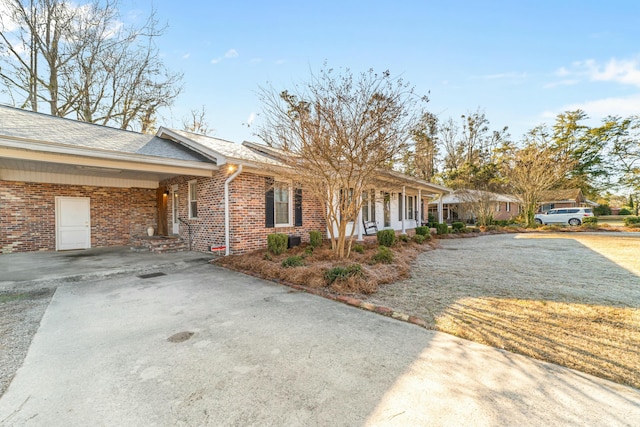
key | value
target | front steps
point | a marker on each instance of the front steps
(158, 244)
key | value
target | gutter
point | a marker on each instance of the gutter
(226, 209)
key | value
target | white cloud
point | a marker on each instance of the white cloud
(565, 82)
(186, 56)
(231, 53)
(600, 108)
(251, 118)
(504, 76)
(623, 71)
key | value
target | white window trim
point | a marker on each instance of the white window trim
(508, 206)
(190, 197)
(291, 213)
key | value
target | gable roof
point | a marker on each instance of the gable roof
(463, 196)
(220, 150)
(28, 126)
(572, 194)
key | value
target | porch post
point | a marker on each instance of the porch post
(360, 221)
(419, 209)
(440, 218)
(404, 208)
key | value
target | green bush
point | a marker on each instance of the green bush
(458, 226)
(441, 228)
(308, 251)
(315, 239)
(602, 210)
(386, 237)
(342, 273)
(624, 211)
(358, 248)
(403, 238)
(423, 231)
(384, 256)
(293, 261)
(631, 220)
(590, 220)
(419, 238)
(277, 243)
(431, 219)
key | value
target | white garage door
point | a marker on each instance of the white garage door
(73, 223)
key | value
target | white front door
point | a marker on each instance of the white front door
(175, 223)
(73, 223)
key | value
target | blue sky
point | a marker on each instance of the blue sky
(521, 62)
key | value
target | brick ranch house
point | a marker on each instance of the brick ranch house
(456, 206)
(564, 198)
(67, 185)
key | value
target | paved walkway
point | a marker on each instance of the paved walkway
(42, 268)
(206, 346)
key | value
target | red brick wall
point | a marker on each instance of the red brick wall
(27, 214)
(247, 212)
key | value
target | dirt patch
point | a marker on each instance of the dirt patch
(20, 319)
(568, 298)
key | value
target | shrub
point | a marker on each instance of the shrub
(602, 210)
(458, 226)
(358, 248)
(441, 228)
(308, 251)
(403, 238)
(419, 238)
(431, 219)
(384, 256)
(386, 237)
(277, 243)
(631, 221)
(342, 273)
(293, 261)
(624, 211)
(315, 239)
(590, 220)
(422, 231)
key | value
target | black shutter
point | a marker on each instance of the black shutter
(400, 207)
(297, 207)
(269, 212)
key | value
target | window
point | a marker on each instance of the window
(369, 206)
(282, 205)
(193, 199)
(508, 206)
(409, 204)
(498, 207)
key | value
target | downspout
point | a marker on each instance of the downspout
(226, 209)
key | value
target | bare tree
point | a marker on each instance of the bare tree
(197, 122)
(477, 205)
(534, 169)
(420, 160)
(83, 60)
(337, 132)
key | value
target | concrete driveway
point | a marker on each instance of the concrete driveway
(119, 352)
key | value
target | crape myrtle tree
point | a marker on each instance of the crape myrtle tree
(337, 132)
(81, 60)
(533, 169)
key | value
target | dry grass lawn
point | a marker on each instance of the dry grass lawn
(568, 298)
